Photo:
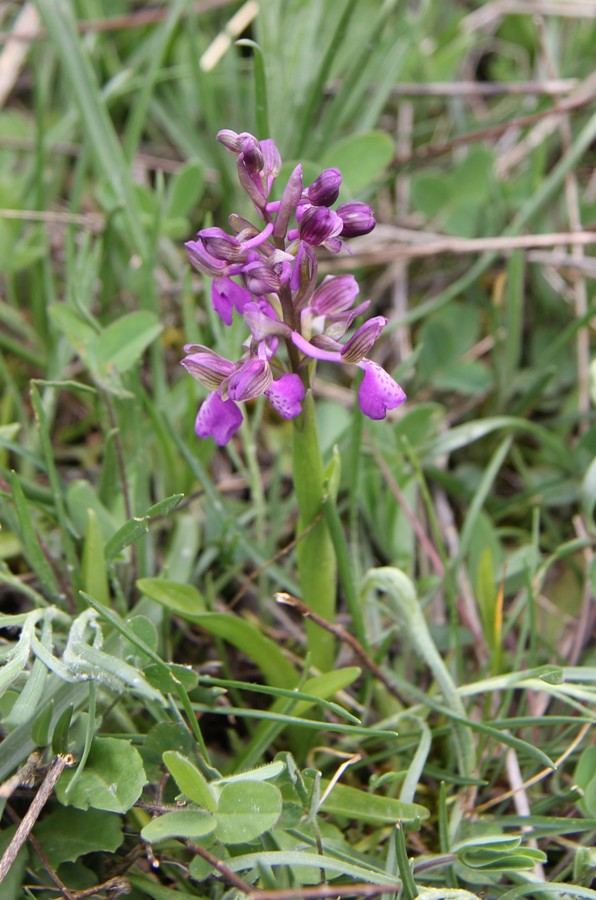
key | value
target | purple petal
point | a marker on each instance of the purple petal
(204, 261)
(250, 380)
(286, 395)
(378, 391)
(318, 224)
(227, 296)
(206, 366)
(335, 294)
(217, 418)
(363, 339)
(314, 352)
(289, 203)
(325, 190)
(221, 245)
(358, 218)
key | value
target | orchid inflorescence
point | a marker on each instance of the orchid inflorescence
(268, 275)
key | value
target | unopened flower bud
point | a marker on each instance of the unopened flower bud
(318, 224)
(325, 190)
(251, 153)
(357, 218)
(229, 139)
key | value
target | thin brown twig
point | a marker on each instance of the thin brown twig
(484, 88)
(230, 877)
(393, 486)
(430, 151)
(344, 637)
(37, 804)
(120, 23)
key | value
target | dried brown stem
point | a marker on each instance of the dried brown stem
(30, 818)
(343, 636)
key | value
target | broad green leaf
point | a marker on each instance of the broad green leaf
(362, 159)
(65, 834)
(184, 823)
(78, 331)
(246, 810)
(122, 343)
(180, 599)
(190, 780)
(372, 808)
(162, 677)
(186, 189)
(112, 780)
(238, 632)
(297, 859)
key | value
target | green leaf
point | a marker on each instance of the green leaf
(150, 888)
(184, 823)
(183, 600)
(77, 330)
(112, 780)
(186, 189)
(585, 778)
(362, 159)
(190, 780)
(180, 599)
(95, 578)
(66, 834)
(61, 730)
(247, 809)
(122, 343)
(372, 808)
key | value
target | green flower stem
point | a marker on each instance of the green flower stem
(317, 567)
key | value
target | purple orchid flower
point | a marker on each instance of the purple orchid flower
(267, 274)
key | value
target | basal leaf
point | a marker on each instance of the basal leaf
(122, 343)
(190, 780)
(184, 823)
(112, 780)
(366, 807)
(67, 834)
(246, 810)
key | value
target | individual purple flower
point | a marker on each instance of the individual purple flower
(357, 218)
(378, 392)
(203, 261)
(324, 191)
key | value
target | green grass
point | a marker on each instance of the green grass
(149, 586)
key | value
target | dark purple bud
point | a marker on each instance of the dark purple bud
(221, 245)
(251, 153)
(318, 224)
(260, 279)
(230, 140)
(358, 218)
(325, 190)
(362, 340)
(289, 202)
